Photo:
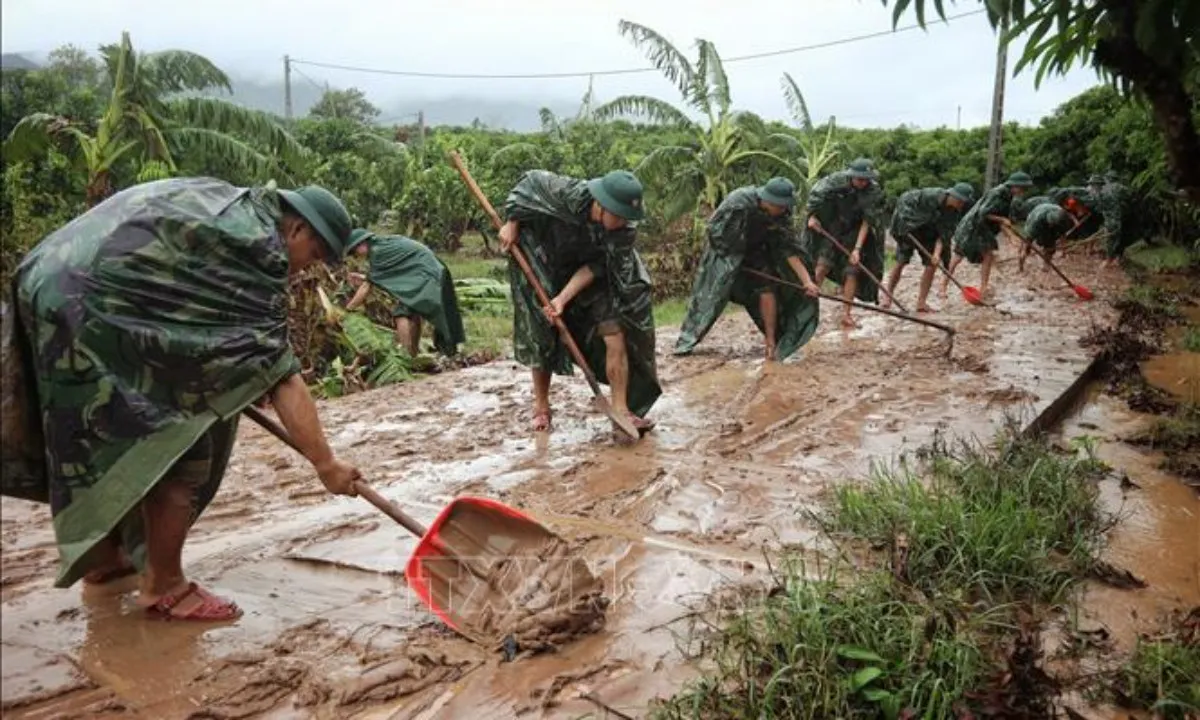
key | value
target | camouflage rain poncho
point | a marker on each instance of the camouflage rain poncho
(923, 213)
(1085, 197)
(740, 235)
(557, 239)
(975, 233)
(412, 274)
(841, 208)
(1021, 207)
(154, 317)
(1046, 224)
(1117, 207)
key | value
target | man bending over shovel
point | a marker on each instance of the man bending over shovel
(141, 330)
(838, 227)
(928, 216)
(1045, 225)
(577, 237)
(975, 236)
(749, 236)
(419, 282)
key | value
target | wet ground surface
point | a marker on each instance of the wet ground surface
(741, 452)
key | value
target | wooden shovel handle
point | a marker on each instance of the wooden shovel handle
(862, 267)
(387, 507)
(574, 349)
(902, 316)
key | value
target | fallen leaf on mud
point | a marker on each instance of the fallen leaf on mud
(1110, 574)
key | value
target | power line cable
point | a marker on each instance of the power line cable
(626, 71)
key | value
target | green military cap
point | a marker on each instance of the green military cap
(1020, 179)
(861, 168)
(358, 237)
(778, 191)
(328, 216)
(962, 191)
(620, 193)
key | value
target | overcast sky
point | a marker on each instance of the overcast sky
(913, 77)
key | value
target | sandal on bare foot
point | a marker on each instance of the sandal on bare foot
(541, 420)
(927, 309)
(204, 606)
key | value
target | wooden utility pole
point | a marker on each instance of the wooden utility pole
(959, 124)
(421, 126)
(287, 87)
(995, 140)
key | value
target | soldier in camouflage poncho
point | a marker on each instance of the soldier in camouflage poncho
(1083, 206)
(752, 230)
(578, 239)
(975, 236)
(137, 334)
(1046, 224)
(419, 282)
(1116, 205)
(926, 216)
(845, 205)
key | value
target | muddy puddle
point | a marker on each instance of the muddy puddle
(741, 453)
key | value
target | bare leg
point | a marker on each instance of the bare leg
(1021, 260)
(167, 513)
(926, 284)
(849, 287)
(986, 272)
(1046, 255)
(108, 561)
(616, 362)
(408, 334)
(821, 273)
(541, 400)
(893, 280)
(769, 309)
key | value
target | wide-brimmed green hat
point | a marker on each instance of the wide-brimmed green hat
(1019, 179)
(861, 168)
(357, 237)
(962, 191)
(328, 216)
(620, 193)
(778, 191)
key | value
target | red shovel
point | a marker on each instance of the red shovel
(969, 293)
(467, 562)
(1081, 291)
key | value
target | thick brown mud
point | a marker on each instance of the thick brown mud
(742, 451)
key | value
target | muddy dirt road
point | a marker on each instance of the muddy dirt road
(740, 453)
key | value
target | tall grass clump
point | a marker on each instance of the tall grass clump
(1015, 521)
(820, 648)
(1163, 677)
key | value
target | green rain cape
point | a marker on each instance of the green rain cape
(557, 239)
(975, 233)
(1046, 223)
(413, 274)
(1085, 197)
(1116, 205)
(923, 213)
(151, 319)
(841, 208)
(720, 280)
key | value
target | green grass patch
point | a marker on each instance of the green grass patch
(1177, 437)
(1016, 522)
(1191, 339)
(1161, 258)
(824, 649)
(1163, 677)
(934, 628)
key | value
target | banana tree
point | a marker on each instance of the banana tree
(150, 118)
(695, 176)
(815, 152)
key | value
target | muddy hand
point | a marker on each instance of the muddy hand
(811, 289)
(339, 477)
(508, 236)
(855, 258)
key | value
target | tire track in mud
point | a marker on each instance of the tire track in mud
(739, 453)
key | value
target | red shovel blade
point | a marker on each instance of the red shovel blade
(1082, 292)
(470, 565)
(972, 295)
